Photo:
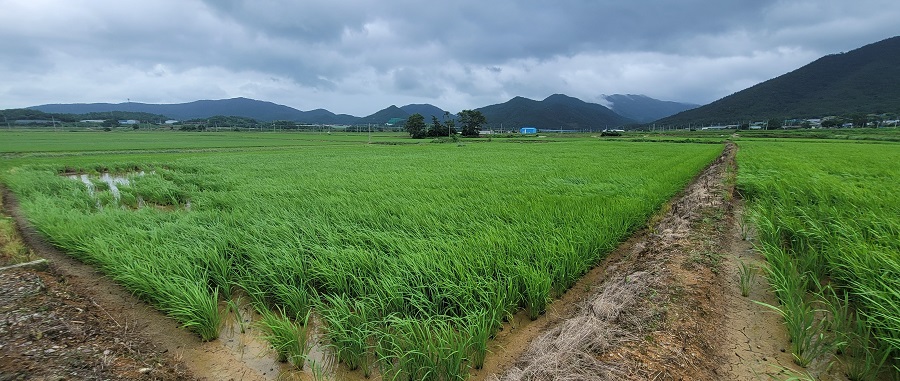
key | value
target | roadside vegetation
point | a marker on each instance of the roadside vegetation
(410, 256)
(828, 222)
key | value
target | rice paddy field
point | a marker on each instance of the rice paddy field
(828, 220)
(407, 257)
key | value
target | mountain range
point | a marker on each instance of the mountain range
(557, 111)
(642, 108)
(861, 81)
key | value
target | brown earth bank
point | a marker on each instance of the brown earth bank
(665, 305)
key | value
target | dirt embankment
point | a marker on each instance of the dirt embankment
(666, 305)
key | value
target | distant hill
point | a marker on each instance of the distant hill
(242, 107)
(249, 108)
(555, 112)
(323, 116)
(644, 109)
(426, 110)
(383, 116)
(865, 80)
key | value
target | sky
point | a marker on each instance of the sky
(359, 56)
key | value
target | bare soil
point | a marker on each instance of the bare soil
(665, 305)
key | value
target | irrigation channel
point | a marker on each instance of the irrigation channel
(664, 305)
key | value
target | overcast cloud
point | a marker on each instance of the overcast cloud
(358, 56)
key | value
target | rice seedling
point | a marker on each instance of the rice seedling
(834, 223)
(349, 330)
(746, 277)
(288, 338)
(864, 362)
(537, 291)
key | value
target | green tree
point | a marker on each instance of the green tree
(415, 126)
(471, 121)
(859, 120)
(450, 123)
(773, 124)
(110, 123)
(436, 128)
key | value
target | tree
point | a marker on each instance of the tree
(415, 126)
(471, 121)
(449, 124)
(436, 129)
(859, 120)
(773, 124)
(110, 123)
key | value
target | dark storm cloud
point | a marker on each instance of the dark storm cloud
(358, 56)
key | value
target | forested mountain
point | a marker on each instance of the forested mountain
(385, 115)
(862, 81)
(250, 108)
(425, 110)
(12, 115)
(555, 112)
(644, 109)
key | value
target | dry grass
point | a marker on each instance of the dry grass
(570, 350)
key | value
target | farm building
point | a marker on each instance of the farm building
(528, 130)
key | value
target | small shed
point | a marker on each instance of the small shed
(528, 130)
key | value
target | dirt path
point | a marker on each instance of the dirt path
(666, 305)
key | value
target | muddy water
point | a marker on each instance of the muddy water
(111, 180)
(244, 340)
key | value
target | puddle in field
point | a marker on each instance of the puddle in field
(244, 339)
(112, 183)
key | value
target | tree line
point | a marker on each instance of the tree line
(471, 122)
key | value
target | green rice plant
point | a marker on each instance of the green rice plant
(431, 349)
(537, 291)
(839, 315)
(348, 329)
(232, 307)
(192, 305)
(287, 337)
(747, 278)
(807, 333)
(480, 329)
(837, 223)
(864, 361)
